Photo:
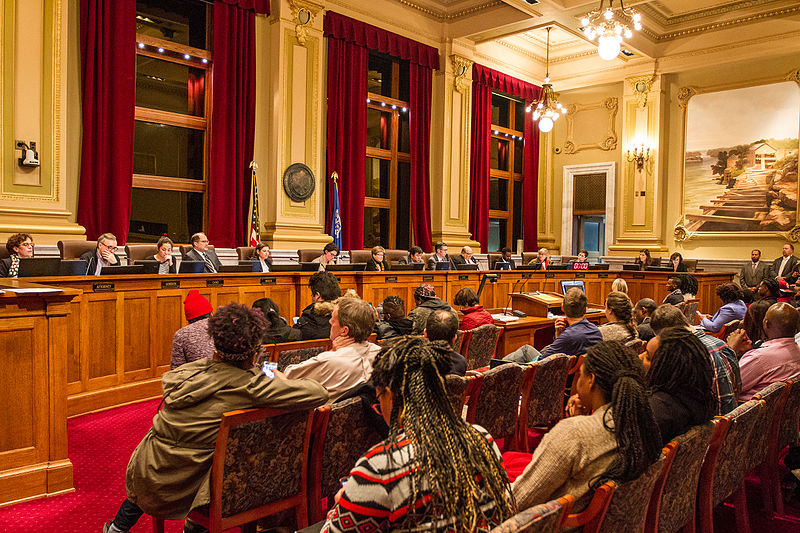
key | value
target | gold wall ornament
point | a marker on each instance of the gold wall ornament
(794, 76)
(793, 234)
(608, 142)
(462, 70)
(684, 94)
(681, 233)
(641, 87)
(303, 13)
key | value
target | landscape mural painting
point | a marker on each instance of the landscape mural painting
(740, 171)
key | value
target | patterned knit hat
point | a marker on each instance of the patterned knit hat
(196, 305)
(424, 292)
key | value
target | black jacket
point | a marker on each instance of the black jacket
(314, 321)
(281, 332)
(394, 327)
(373, 266)
(91, 258)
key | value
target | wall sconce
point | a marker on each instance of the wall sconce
(639, 155)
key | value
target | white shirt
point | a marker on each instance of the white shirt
(783, 265)
(264, 266)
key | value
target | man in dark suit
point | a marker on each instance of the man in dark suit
(201, 252)
(505, 259)
(752, 274)
(439, 256)
(103, 255)
(465, 257)
(783, 266)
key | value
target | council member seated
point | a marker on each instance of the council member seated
(442, 326)
(778, 359)
(169, 472)
(434, 472)
(733, 308)
(674, 295)
(583, 257)
(474, 313)
(505, 259)
(644, 260)
(376, 262)
(262, 257)
(414, 257)
(103, 255)
(201, 252)
(574, 333)
(641, 313)
(192, 341)
(328, 257)
(348, 363)
(19, 245)
(783, 266)
(676, 262)
(752, 274)
(439, 255)
(543, 258)
(465, 257)
(314, 321)
(426, 300)
(166, 265)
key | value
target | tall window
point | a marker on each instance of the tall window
(170, 154)
(505, 171)
(387, 220)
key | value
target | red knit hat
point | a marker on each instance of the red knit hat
(196, 305)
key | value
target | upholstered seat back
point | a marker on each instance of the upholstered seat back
(245, 252)
(787, 434)
(498, 400)
(456, 391)
(774, 396)
(184, 248)
(631, 500)
(544, 405)
(482, 345)
(293, 357)
(307, 255)
(542, 518)
(732, 461)
(138, 252)
(74, 249)
(361, 256)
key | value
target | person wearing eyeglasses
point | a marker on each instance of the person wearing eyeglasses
(19, 245)
(202, 252)
(328, 257)
(103, 255)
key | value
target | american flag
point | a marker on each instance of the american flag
(255, 231)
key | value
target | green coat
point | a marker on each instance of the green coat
(169, 472)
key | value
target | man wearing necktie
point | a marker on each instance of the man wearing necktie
(201, 252)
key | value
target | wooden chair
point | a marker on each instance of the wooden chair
(726, 330)
(763, 457)
(723, 471)
(543, 518)
(139, 252)
(787, 433)
(245, 252)
(342, 434)
(481, 345)
(496, 402)
(543, 395)
(74, 249)
(271, 351)
(591, 518)
(361, 256)
(572, 375)
(260, 468)
(307, 255)
(679, 495)
(527, 257)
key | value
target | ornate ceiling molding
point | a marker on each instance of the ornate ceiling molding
(725, 24)
(444, 16)
(657, 15)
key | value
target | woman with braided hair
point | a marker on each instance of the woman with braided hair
(434, 471)
(616, 439)
(620, 326)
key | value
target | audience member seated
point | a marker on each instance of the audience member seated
(783, 266)
(674, 295)
(201, 252)
(395, 322)
(505, 257)
(543, 258)
(103, 255)
(328, 257)
(414, 256)
(753, 323)
(427, 302)
(278, 330)
(752, 274)
(620, 325)
(192, 342)
(769, 290)
(439, 255)
(457, 484)
(314, 321)
(169, 471)
(689, 286)
(474, 314)
(680, 376)
(733, 308)
(349, 362)
(166, 265)
(778, 358)
(441, 329)
(727, 381)
(262, 257)
(641, 313)
(465, 257)
(376, 262)
(619, 285)
(676, 262)
(574, 333)
(613, 437)
(644, 260)
(786, 293)
(19, 245)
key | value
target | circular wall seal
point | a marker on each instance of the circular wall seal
(298, 182)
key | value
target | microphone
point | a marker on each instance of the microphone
(509, 296)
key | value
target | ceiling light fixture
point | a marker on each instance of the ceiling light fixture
(547, 109)
(609, 26)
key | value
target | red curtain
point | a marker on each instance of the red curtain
(347, 136)
(108, 70)
(233, 124)
(420, 82)
(484, 81)
(196, 92)
(479, 163)
(259, 6)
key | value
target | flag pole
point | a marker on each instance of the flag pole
(255, 229)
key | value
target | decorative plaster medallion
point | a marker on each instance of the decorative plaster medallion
(298, 182)
(641, 87)
(309, 9)
(462, 69)
(684, 94)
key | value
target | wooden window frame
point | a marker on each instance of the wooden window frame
(509, 175)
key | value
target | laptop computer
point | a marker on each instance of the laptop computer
(405, 266)
(630, 266)
(150, 265)
(191, 267)
(534, 266)
(73, 267)
(121, 270)
(351, 267)
(465, 266)
(39, 266)
(502, 265)
(286, 267)
(309, 267)
(442, 265)
(567, 284)
(659, 269)
(236, 268)
(559, 267)
(599, 266)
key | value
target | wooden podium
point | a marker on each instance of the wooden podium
(537, 304)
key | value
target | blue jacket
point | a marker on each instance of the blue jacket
(728, 312)
(574, 340)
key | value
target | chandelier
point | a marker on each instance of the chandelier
(547, 109)
(609, 26)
